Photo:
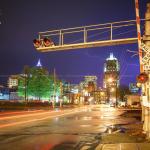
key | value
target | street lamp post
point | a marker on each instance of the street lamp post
(61, 90)
(116, 93)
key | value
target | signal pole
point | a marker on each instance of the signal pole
(145, 87)
(61, 90)
(138, 33)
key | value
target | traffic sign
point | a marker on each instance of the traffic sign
(146, 67)
(146, 49)
(146, 58)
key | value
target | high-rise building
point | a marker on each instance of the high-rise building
(111, 76)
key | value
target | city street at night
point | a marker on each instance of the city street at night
(66, 129)
(75, 75)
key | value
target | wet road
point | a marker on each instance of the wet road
(58, 129)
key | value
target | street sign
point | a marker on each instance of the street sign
(146, 58)
(146, 49)
(146, 67)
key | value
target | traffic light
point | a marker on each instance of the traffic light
(37, 43)
(142, 78)
(47, 42)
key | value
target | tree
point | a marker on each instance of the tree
(54, 86)
(21, 86)
(39, 83)
(35, 83)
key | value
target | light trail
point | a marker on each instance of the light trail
(19, 112)
(40, 119)
(26, 115)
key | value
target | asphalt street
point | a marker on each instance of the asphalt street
(58, 129)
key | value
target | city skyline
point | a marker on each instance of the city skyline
(21, 23)
(65, 77)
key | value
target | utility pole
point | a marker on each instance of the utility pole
(145, 86)
(61, 90)
(116, 95)
(138, 33)
(54, 94)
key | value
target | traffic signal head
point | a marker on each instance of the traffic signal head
(37, 43)
(142, 78)
(47, 42)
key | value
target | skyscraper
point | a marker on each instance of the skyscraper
(111, 76)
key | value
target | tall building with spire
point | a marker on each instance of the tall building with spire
(39, 63)
(111, 76)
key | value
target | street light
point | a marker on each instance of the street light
(112, 89)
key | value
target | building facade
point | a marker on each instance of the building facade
(90, 79)
(4, 93)
(13, 81)
(100, 96)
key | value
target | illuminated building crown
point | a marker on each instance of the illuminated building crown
(39, 63)
(111, 57)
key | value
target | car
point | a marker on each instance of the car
(112, 104)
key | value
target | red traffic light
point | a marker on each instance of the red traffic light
(142, 78)
(37, 43)
(47, 42)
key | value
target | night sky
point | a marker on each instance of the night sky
(21, 20)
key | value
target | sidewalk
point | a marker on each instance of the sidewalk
(123, 141)
(124, 146)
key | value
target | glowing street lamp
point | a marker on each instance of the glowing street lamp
(112, 89)
(110, 80)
